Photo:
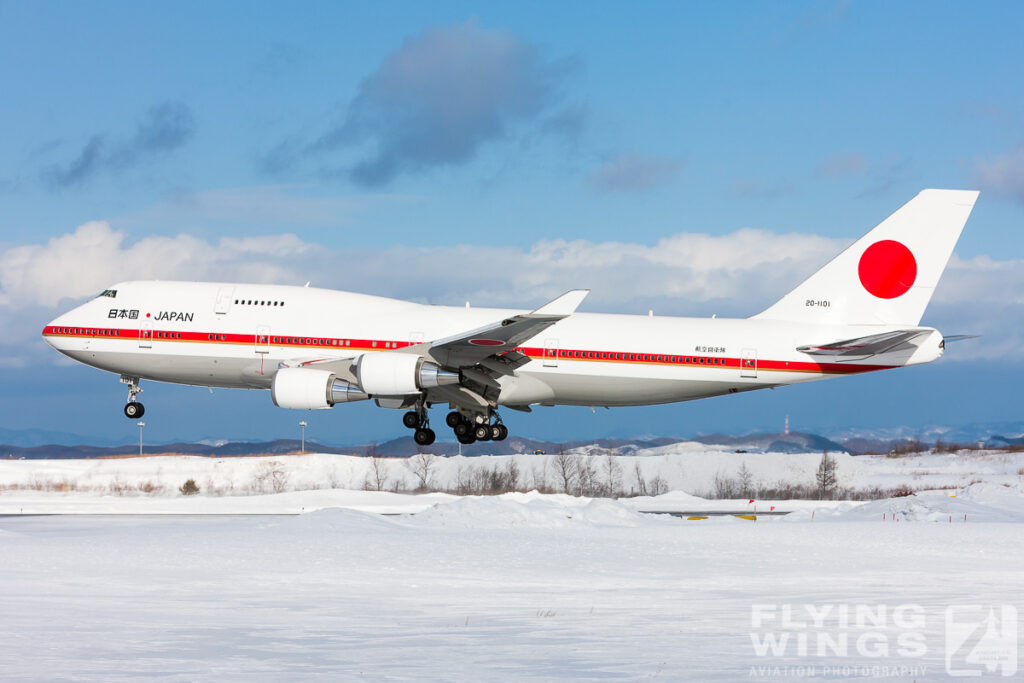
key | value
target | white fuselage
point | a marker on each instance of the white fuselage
(236, 335)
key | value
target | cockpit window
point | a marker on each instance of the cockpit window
(112, 293)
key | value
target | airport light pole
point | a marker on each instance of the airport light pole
(303, 425)
(141, 425)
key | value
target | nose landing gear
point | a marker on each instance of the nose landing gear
(133, 409)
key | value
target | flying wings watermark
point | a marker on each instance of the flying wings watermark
(840, 640)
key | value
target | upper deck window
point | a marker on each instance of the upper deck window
(112, 293)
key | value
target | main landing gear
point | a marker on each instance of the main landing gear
(468, 431)
(133, 409)
(418, 420)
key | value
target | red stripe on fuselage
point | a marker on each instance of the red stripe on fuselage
(538, 353)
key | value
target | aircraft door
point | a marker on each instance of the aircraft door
(146, 335)
(551, 353)
(224, 298)
(748, 363)
(262, 339)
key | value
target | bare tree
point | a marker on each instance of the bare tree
(377, 478)
(612, 476)
(641, 483)
(512, 474)
(463, 479)
(272, 477)
(825, 477)
(421, 465)
(745, 481)
(586, 476)
(657, 486)
(565, 470)
(724, 486)
(540, 476)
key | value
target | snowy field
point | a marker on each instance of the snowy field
(151, 484)
(520, 586)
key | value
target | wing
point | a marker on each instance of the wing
(480, 356)
(871, 345)
(493, 346)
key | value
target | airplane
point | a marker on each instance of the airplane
(317, 348)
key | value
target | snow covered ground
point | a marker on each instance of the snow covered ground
(69, 485)
(520, 586)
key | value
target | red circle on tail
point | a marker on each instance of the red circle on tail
(887, 269)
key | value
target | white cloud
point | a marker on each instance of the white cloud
(690, 267)
(1003, 175)
(85, 261)
(634, 173)
(259, 208)
(985, 297)
(737, 274)
(435, 101)
(841, 164)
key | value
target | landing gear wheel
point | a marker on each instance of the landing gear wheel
(134, 410)
(482, 432)
(425, 436)
(453, 419)
(411, 419)
(499, 432)
(466, 438)
(463, 429)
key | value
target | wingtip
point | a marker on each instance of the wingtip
(564, 305)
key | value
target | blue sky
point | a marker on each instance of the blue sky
(540, 146)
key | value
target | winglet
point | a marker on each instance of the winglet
(564, 305)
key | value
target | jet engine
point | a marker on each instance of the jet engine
(311, 389)
(399, 374)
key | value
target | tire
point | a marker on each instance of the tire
(499, 433)
(134, 410)
(424, 437)
(466, 438)
(482, 432)
(462, 429)
(411, 419)
(452, 419)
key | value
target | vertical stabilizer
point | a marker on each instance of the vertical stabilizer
(888, 276)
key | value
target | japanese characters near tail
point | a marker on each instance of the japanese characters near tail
(317, 348)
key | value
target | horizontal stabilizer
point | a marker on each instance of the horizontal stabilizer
(871, 345)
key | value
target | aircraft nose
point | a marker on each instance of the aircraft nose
(48, 332)
(52, 330)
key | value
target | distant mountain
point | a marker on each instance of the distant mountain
(36, 437)
(405, 447)
(969, 433)
(27, 443)
(794, 442)
(230, 449)
(514, 444)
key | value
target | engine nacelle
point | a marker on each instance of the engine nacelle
(311, 389)
(399, 374)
